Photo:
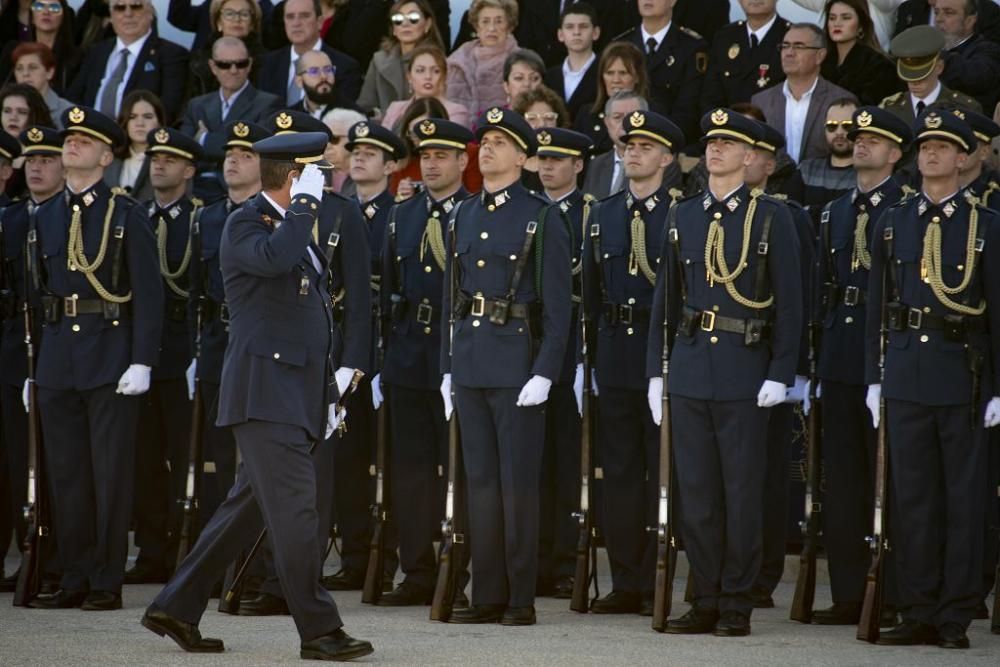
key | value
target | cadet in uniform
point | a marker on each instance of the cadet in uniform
(165, 413)
(413, 261)
(278, 393)
(620, 255)
(733, 284)
(94, 265)
(935, 258)
(511, 260)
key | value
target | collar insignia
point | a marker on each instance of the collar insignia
(175, 211)
(564, 206)
(89, 198)
(876, 198)
(707, 202)
(448, 205)
(651, 203)
(733, 204)
(949, 209)
(922, 207)
(370, 211)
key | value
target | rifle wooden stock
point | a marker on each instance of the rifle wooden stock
(452, 529)
(374, 575)
(995, 616)
(580, 599)
(666, 546)
(871, 607)
(189, 504)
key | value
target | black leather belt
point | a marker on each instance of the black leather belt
(479, 306)
(212, 311)
(917, 319)
(623, 313)
(850, 295)
(424, 313)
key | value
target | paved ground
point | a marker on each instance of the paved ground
(406, 637)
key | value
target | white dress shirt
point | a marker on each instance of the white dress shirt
(929, 100)
(277, 223)
(796, 111)
(131, 166)
(657, 36)
(761, 32)
(571, 79)
(227, 105)
(133, 57)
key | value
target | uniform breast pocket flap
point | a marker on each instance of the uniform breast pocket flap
(283, 352)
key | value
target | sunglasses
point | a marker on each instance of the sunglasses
(413, 17)
(832, 125)
(122, 8)
(50, 7)
(232, 64)
(316, 71)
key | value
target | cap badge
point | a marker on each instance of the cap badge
(933, 121)
(494, 115)
(428, 127)
(719, 117)
(544, 138)
(162, 136)
(361, 130)
(284, 121)
(637, 119)
(864, 119)
(76, 115)
(241, 130)
(35, 135)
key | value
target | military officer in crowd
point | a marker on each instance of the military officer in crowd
(933, 286)
(10, 150)
(94, 265)
(510, 262)
(976, 176)
(165, 412)
(413, 261)
(844, 260)
(731, 285)
(621, 255)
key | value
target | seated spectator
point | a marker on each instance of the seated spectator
(475, 69)
(621, 68)
(920, 12)
(523, 70)
(203, 19)
(826, 178)
(35, 65)
(229, 18)
(975, 175)
(141, 112)
(412, 24)
(340, 121)
(10, 150)
(317, 77)
(51, 25)
(93, 23)
(541, 107)
(854, 62)
(971, 62)
(575, 80)
(882, 12)
(605, 173)
(20, 106)
(357, 26)
(406, 179)
(15, 21)
(426, 73)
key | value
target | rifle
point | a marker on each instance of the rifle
(995, 616)
(374, 575)
(586, 556)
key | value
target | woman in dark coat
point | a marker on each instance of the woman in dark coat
(853, 58)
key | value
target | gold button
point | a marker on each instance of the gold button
(484, 235)
(76, 207)
(717, 215)
(114, 323)
(475, 323)
(631, 301)
(491, 208)
(520, 330)
(427, 269)
(927, 309)
(713, 340)
(481, 263)
(436, 214)
(76, 327)
(630, 331)
(960, 267)
(427, 330)
(936, 219)
(715, 308)
(277, 355)
(513, 258)
(606, 255)
(849, 319)
(425, 300)
(597, 128)
(924, 338)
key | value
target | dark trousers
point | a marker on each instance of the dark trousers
(352, 485)
(90, 454)
(275, 487)
(13, 468)
(777, 482)
(992, 547)
(502, 448)
(560, 485)
(720, 451)
(630, 455)
(219, 450)
(939, 475)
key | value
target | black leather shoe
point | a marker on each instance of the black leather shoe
(338, 645)
(478, 613)
(732, 624)
(761, 599)
(841, 613)
(264, 604)
(9, 584)
(981, 613)
(888, 618)
(102, 601)
(345, 580)
(909, 633)
(518, 616)
(952, 635)
(406, 595)
(563, 588)
(61, 599)
(185, 634)
(144, 573)
(696, 621)
(646, 606)
(617, 602)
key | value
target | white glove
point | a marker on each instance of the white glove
(654, 395)
(872, 399)
(593, 381)
(343, 377)
(992, 413)
(24, 395)
(333, 419)
(446, 395)
(578, 388)
(189, 374)
(797, 392)
(771, 393)
(134, 381)
(377, 397)
(534, 392)
(309, 182)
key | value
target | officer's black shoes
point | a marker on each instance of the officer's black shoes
(841, 613)
(338, 646)
(406, 595)
(617, 602)
(732, 624)
(761, 599)
(952, 635)
(518, 616)
(888, 618)
(697, 621)
(264, 604)
(478, 613)
(8, 584)
(909, 633)
(144, 573)
(981, 613)
(185, 634)
(646, 606)
(563, 588)
(102, 601)
(61, 599)
(344, 580)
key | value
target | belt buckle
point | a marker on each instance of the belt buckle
(914, 318)
(424, 313)
(69, 306)
(625, 314)
(478, 305)
(851, 294)
(707, 320)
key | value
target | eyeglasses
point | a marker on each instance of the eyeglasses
(548, 116)
(832, 125)
(122, 8)
(50, 7)
(236, 14)
(797, 46)
(496, 22)
(316, 71)
(232, 64)
(413, 17)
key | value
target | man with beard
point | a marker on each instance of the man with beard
(315, 72)
(826, 178)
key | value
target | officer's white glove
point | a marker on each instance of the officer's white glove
(771, 393)
(593, 381)
(377, 397)
(309, 182)
(534, 392)
(578, 388)
(189, 374)
(654, 395)
(992, 412)
(806, 401)
(446, 395)
(343, 378)
(797, 392)
(134, 381)
(872, 400)
(333, 419)
(24, 395)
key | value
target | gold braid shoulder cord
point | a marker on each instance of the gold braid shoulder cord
(637, 259)
(930, 265)
(588, 201)
(77, 258)
(433, 239)
(715, 256)
(860, 257)
(170, 277)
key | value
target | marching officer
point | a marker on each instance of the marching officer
(510, 258)
(844, 260)
(95, 267)
(933, 287)
(733, 291)
(413, 261)
(165, 412)
(620, 255)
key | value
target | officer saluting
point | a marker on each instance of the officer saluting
(511, 260)
(934, 286)
(93, 257)
(732, 283)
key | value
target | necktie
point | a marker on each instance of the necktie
(650, 46)
(618, 180)
(754, 42)
(920, 107)
(109, 95)
(294, 93)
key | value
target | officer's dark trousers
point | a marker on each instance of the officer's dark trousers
(938, 466)
(502, 448)
(560, 486)
(219, 449)
(90, 453)
(720, 450)
(13, 468)
(776, 489)
(352, 487)
(275, 487)
(992, 550)
(630, 454)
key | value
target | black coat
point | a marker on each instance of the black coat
(918, 12)
(273, 75)
(584, 95)
(865, 72)
(735, 71)
(973, 67)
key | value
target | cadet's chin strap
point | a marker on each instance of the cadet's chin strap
(715, 256)
(170, 277)
(78, 258)
(930, 265)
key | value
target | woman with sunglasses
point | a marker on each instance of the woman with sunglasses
(854, 60)
(426, 71)
(51, 24)
(141, 112)
(475, 69)
(622, 67)
(229, 18)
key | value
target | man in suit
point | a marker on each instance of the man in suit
(136, 58)
(277, 71)
(919, 12)
(971, 61)
(278, 393)
(206, 116)
(798, 108)
(316, 75)
(606, 172)
(575, 80)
